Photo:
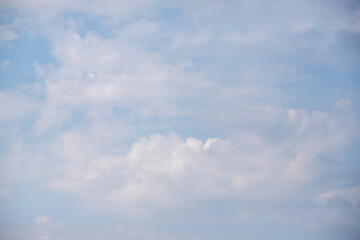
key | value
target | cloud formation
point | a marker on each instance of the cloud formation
(234, 119)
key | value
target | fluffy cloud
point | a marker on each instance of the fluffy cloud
(166, 170)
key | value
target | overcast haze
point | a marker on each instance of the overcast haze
(179, 120)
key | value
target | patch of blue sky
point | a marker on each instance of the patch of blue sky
(320, 92)
(27, 200)
(8, 15)
(192, 127)
(85, 23)
(22, 53)
(343, 55)
(170, 18)
(170, 14)
(211, 226)
(349, 166)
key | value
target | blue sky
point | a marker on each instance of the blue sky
(179, 120)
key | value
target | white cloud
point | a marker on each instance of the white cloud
(42, 220)
(164, 170)
(96, 73)
(14, 105)
(140, 28)
(351, 195)
(153, 165)
(6, 35)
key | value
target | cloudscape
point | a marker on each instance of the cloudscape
(179, 120)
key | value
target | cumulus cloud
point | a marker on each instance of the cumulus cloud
(181, 171)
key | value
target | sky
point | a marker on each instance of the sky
(180, 120)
